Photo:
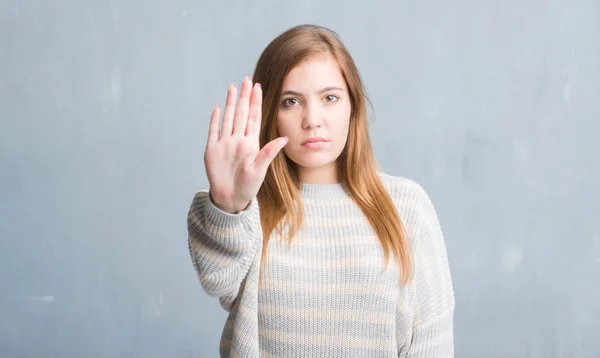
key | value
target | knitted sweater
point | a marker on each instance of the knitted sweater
(326, 294)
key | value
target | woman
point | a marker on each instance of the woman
(295, 238)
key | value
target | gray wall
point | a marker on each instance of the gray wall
(493, 106)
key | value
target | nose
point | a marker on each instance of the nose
(312, 116)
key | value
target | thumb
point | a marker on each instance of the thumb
(268, 153)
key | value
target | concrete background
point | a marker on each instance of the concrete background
(493, 106)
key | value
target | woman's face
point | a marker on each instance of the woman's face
(315, 106)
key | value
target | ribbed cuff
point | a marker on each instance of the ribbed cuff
(248, 218)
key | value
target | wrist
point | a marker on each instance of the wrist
(227, 205)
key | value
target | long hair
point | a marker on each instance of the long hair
(280, 205)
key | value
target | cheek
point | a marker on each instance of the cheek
(284, 126)
(343, 139)
(343, 136)
(281, 126)
(343, 133)
(282, 130)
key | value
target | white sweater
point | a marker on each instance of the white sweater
(327, 294)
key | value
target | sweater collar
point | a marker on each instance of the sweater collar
(322, 191)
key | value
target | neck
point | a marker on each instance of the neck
(323, 175)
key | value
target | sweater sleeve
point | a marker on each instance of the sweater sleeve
(433, 296)
(222, 245)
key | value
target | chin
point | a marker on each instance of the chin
(314, 162)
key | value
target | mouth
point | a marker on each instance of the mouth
(315, 143)
(315, 140)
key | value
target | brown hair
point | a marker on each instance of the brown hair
(279, 196)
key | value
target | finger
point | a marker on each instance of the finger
(213, 129)
(242, 108)
(227, 125)
(255, 116)
(268, 153)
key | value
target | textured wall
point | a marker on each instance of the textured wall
(493, 106)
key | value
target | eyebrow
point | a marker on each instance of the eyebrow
(330, 88)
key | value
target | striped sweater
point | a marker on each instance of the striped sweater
(326, 294)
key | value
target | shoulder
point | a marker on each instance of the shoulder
(412, 201)
(403, 188)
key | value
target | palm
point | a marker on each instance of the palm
(234, 163)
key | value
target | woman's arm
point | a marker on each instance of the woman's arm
(433, 296)
(222, 245)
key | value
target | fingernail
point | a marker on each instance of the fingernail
(258, 85)
(218, 105)
(247, 78)
(286, 139)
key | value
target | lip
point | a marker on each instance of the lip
(314, 140)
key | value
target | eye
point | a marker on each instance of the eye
(332, 98)
(289, 102)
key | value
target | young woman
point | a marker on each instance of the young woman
(295, 243)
